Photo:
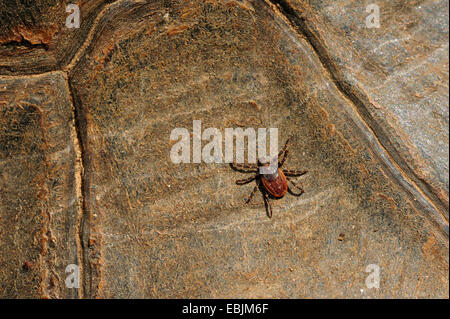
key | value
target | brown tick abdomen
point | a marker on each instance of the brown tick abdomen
(276, 187)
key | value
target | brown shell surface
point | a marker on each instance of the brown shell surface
(86, 176)
(277, 187)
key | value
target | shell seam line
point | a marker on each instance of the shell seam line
(80, 178)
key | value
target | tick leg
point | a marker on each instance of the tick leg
(246, 180)
(251, 194)
(268, 206)
(246, 168)
(283, 159)
(294, 172)
(296, 186)
(284, 152)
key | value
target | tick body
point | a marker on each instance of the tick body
(274, 185)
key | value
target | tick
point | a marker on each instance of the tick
(274, 185)
(26, 265)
